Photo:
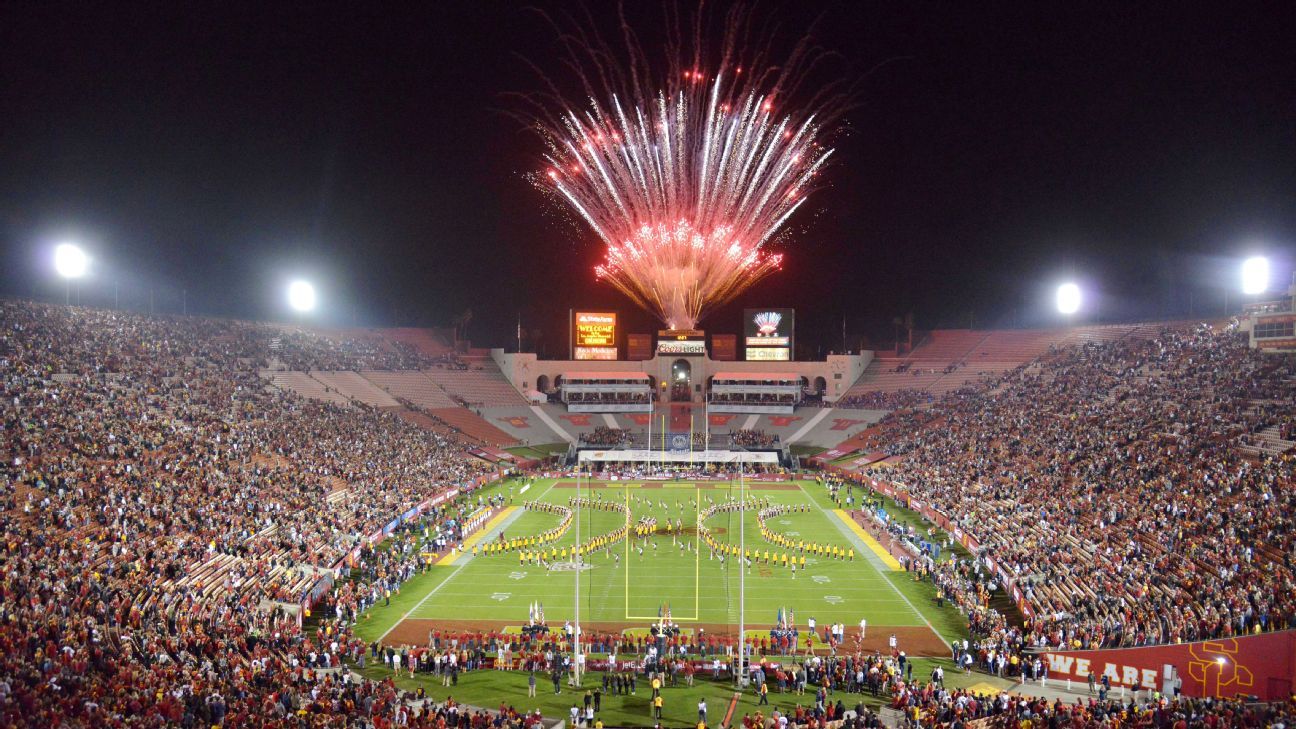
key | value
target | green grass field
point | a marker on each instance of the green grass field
(701, 591)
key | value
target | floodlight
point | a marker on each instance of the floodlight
(1255, 275)
(1068, 298)
(70, 261)
(301, 295)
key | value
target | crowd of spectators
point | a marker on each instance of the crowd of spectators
(306, 350)
(755, 398)
(167, 512)
(877, 400)
(610, 398)
(603, 435)
(752, 438)
(1107, 481)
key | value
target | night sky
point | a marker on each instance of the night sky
(212, 151)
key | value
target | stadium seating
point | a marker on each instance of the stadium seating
(355, 387)
(1120, 449)
(413, 387)
(307, 386)
(172, 499)
(479, 384)
(465, 421)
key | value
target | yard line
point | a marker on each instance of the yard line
(863, 550)
(512, 517)
(431, 592)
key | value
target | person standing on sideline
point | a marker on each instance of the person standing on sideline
(702, 711)
(531, 684)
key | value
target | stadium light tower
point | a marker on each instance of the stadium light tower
(1068, 298)
(301, 296)
(71, 262)
(1255, 275)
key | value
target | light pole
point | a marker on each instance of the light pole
(1068, 298)
(71, 262)
(301, 297)
(1255, 275)
(742, 573)
(576, 657)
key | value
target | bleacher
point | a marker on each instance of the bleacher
(481, 384)
(1014, 346)
(412, 387)
(880, 376)
(947, 345)
(354, 386)
(468, 423)
(977, 354)
(424, 341)
(306, 386)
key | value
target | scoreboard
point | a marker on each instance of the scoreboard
(769, 334)
(681, 341)
(594, 335)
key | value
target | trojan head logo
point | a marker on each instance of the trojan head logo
(767, 323)
(1214, 665)
(517, 421)
(783, 421)
(719, 420)
(844, 423)
(577, 420)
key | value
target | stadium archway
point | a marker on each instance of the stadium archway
(542, 383)
(681, 379)
(821, 385)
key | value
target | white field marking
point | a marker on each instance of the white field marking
(431, 592)
(555, 427)
(453, 575)
(883, 574)
(501, 596)
(810, 424)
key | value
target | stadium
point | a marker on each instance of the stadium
(687, 512)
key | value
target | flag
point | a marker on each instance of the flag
(659, 611)
(780, 617)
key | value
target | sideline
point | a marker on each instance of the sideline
(431, 592)
(869, 541)
(477, 537)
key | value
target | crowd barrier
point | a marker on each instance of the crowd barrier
(1260, 666)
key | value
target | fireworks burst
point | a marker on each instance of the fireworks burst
(688, 177)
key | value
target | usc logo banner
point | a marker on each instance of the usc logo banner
(1255, 665)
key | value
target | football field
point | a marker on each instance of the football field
(626, 583)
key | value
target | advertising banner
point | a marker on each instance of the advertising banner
(1253, 665)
